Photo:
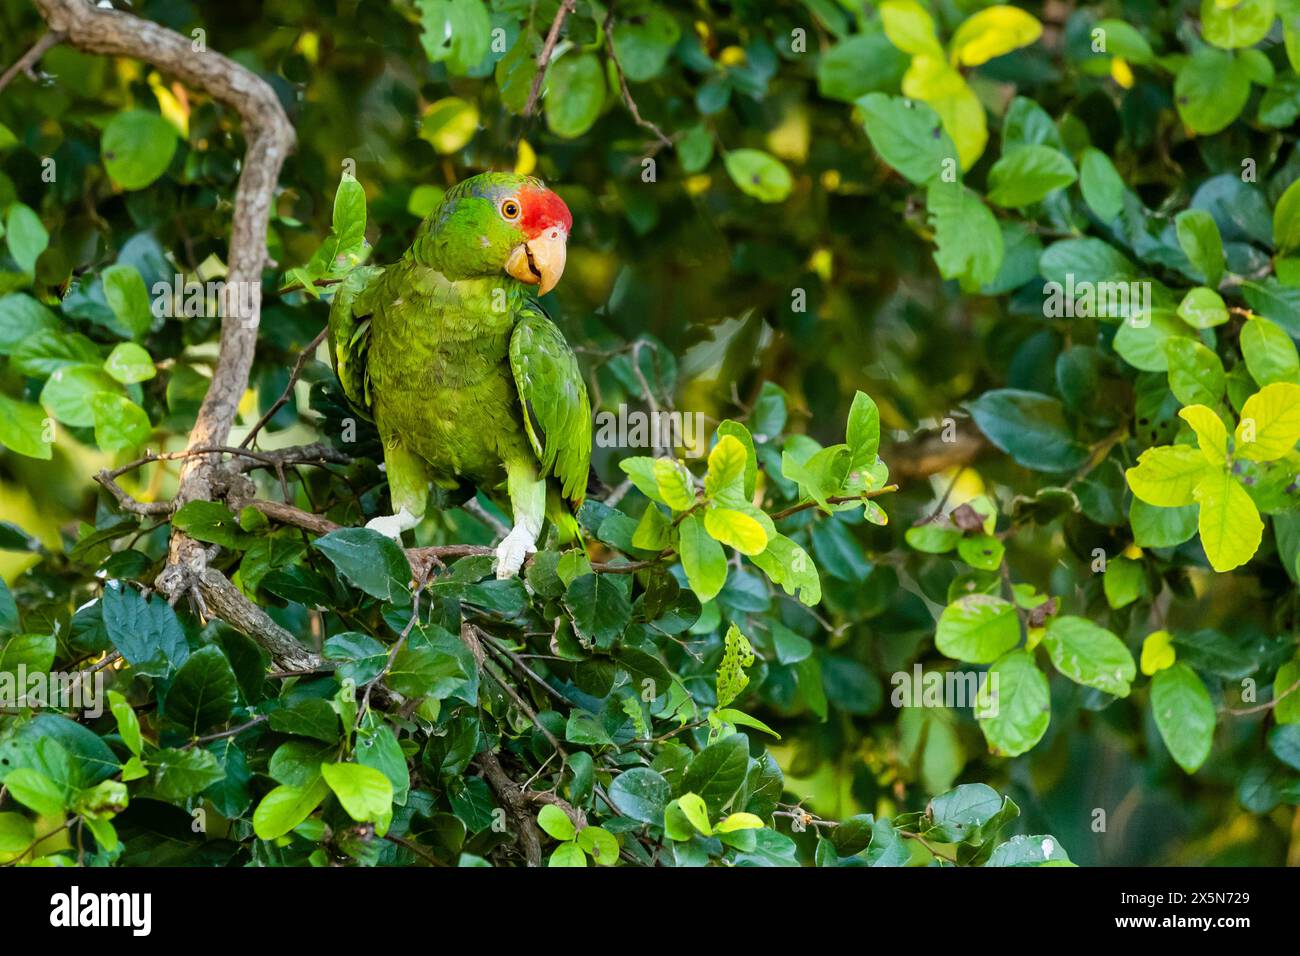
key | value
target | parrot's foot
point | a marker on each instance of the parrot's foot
(392, 526)
(514, 548)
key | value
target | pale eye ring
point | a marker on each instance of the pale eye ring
(510, 210)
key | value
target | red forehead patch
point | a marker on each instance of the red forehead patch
(543, 209)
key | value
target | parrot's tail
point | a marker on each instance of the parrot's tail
(560, 515)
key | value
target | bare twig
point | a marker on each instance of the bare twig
(27, 62)
(306, 353)
(622, 83)
(834, 500)
(548, 47)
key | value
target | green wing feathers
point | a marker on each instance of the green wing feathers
(557, 412)
(349, 334)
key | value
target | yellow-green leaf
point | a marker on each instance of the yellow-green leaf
(674, 484)
(1157, 652)
(1270, 422)
(1211, 433)
(1167, 475)
(910, 27)
(1229, 522)
(993, 32)
(726, 474)
(736, 529)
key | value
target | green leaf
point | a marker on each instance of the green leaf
(644, 44)
(1241, 24)
(703, 559)
(26, 235)
(640, 793)
(1090, 655)
(1026, 174)
(737, 655)
(1141, 341)
(1203, 308)
(759, 174)
(137, 147)
(285, 807)
(1184, 714)
(567, 855)
(977, 628)
(1229, 522)
(862, 434)
(600, 844)
(1022, 704)
(23, 429)
(365, 793)
(717, 772)
(1030, 427)
(1196, 375)
(126, 295)
(1286, 220)
(575, 93)
(17, 833)
(36, 791)
(556, 822)
(967, 237)
(22, 317)
(148, 633)
(908, 135)
(1210, 90)
(455, 32)
(1269, 352)
(790, 566)
(120, 423)
(212, 522)
(600, 608)
(203, 693)
(68, 392)
(128, 363)
(1124, 581)
(370, 561)
(1198, 235)
(1102, 188)
(693, 807)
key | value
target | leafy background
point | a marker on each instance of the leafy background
(821, 199)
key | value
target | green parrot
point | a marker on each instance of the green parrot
(463, 374)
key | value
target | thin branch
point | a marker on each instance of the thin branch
(1267, 705)
(27, 62)
(623, 87)
(834, 500)
(308, 352)
(548, 47)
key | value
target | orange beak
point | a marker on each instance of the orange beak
(540, 261)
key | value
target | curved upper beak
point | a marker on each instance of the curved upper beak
(539, 261)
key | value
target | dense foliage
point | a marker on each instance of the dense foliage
(991, 313)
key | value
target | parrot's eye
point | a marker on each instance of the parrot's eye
(510, 210)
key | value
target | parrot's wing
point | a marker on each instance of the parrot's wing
(349, 335)
(557, 412)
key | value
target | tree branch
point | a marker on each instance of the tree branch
(544, 58)
(269, 138)
(26, 62)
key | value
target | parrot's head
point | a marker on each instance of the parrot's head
(497, 223)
